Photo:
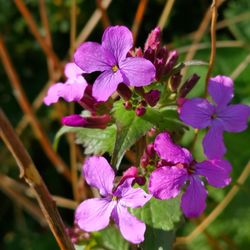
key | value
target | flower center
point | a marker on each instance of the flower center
(115, 68)
(213, 116)
(114, 198)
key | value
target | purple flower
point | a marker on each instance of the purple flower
(219, 117)
(72, 90)
(180, 168)
(94, 214)
(111, 59)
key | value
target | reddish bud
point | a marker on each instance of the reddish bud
(188, 85)
(124, 91)
(127, 105)
(175, 81)
(152, 97)
(140, 111)
(153, 40)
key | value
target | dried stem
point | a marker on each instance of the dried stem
(94, 19)
(138, 18)
(35, 31)
(105, 19)
(48, 40)
(165, 14)
(72, 27)
(30, 174)
(213, 44)
(199, 34)
(26, 204)
(241, 67)
(220, 207)
(26, 107)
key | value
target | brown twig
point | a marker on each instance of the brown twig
(138, 18)
(72, 27)
(199, 34)
(165, 14)
(26, 204)
(48, 40)
(92, 22)
(35, 31)
(219, 208)
(213, 44)
(105, 18)
(30, 174)
(26, 107)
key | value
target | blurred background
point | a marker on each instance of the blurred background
(39, 37)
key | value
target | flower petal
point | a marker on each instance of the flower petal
(68, 91)
(98, 173)
(193, 201)
(169, 151)
(131, 228)
(166, 182)
(131, 197)
(197, 112)
(118, 40)
(221, 89)
(106, 84)
(137, 71)
(213, 143)
(235, 117)
(216, 172)
(93, 214)
(91, 56)
(72, 70)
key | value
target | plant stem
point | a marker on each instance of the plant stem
(30, 174)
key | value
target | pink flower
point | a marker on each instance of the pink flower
(110, 57)
(94, 214)
(178, 169)
(218, 116)
(72, 90)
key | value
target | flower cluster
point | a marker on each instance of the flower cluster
(143, 79)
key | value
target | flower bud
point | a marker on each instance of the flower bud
(153, 40)
(175, 81)
(124, 91)
(172, 60)
(127, 105)
(188, 85)
(86, 122)
(152, 97)
(140, 111)
(149, 54)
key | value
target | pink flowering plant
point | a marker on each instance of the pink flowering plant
(137, 106)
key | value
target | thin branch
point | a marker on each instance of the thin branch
(213, 44)
(219, 44)
(73, 26)
(94, 19)
(165, 14)
(199, 34)
(30, 174)
(26, 107)
(25, 203)
(241, 67)
(105, 18)
(138, 18)
(216, 212)
(35, 31)
(48, 40)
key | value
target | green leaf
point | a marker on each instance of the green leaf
(165, 119)
(95, 141)
(157, 239)
(110, 239)
(129, 129)
(160, 214)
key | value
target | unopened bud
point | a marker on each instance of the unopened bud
(127, 105)
(154, 39)
(152, 97)
(149, 54)
(140, 111)
(188, 85)
(172, 60)
(175, 81)
(150, 150)
(124, 91)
